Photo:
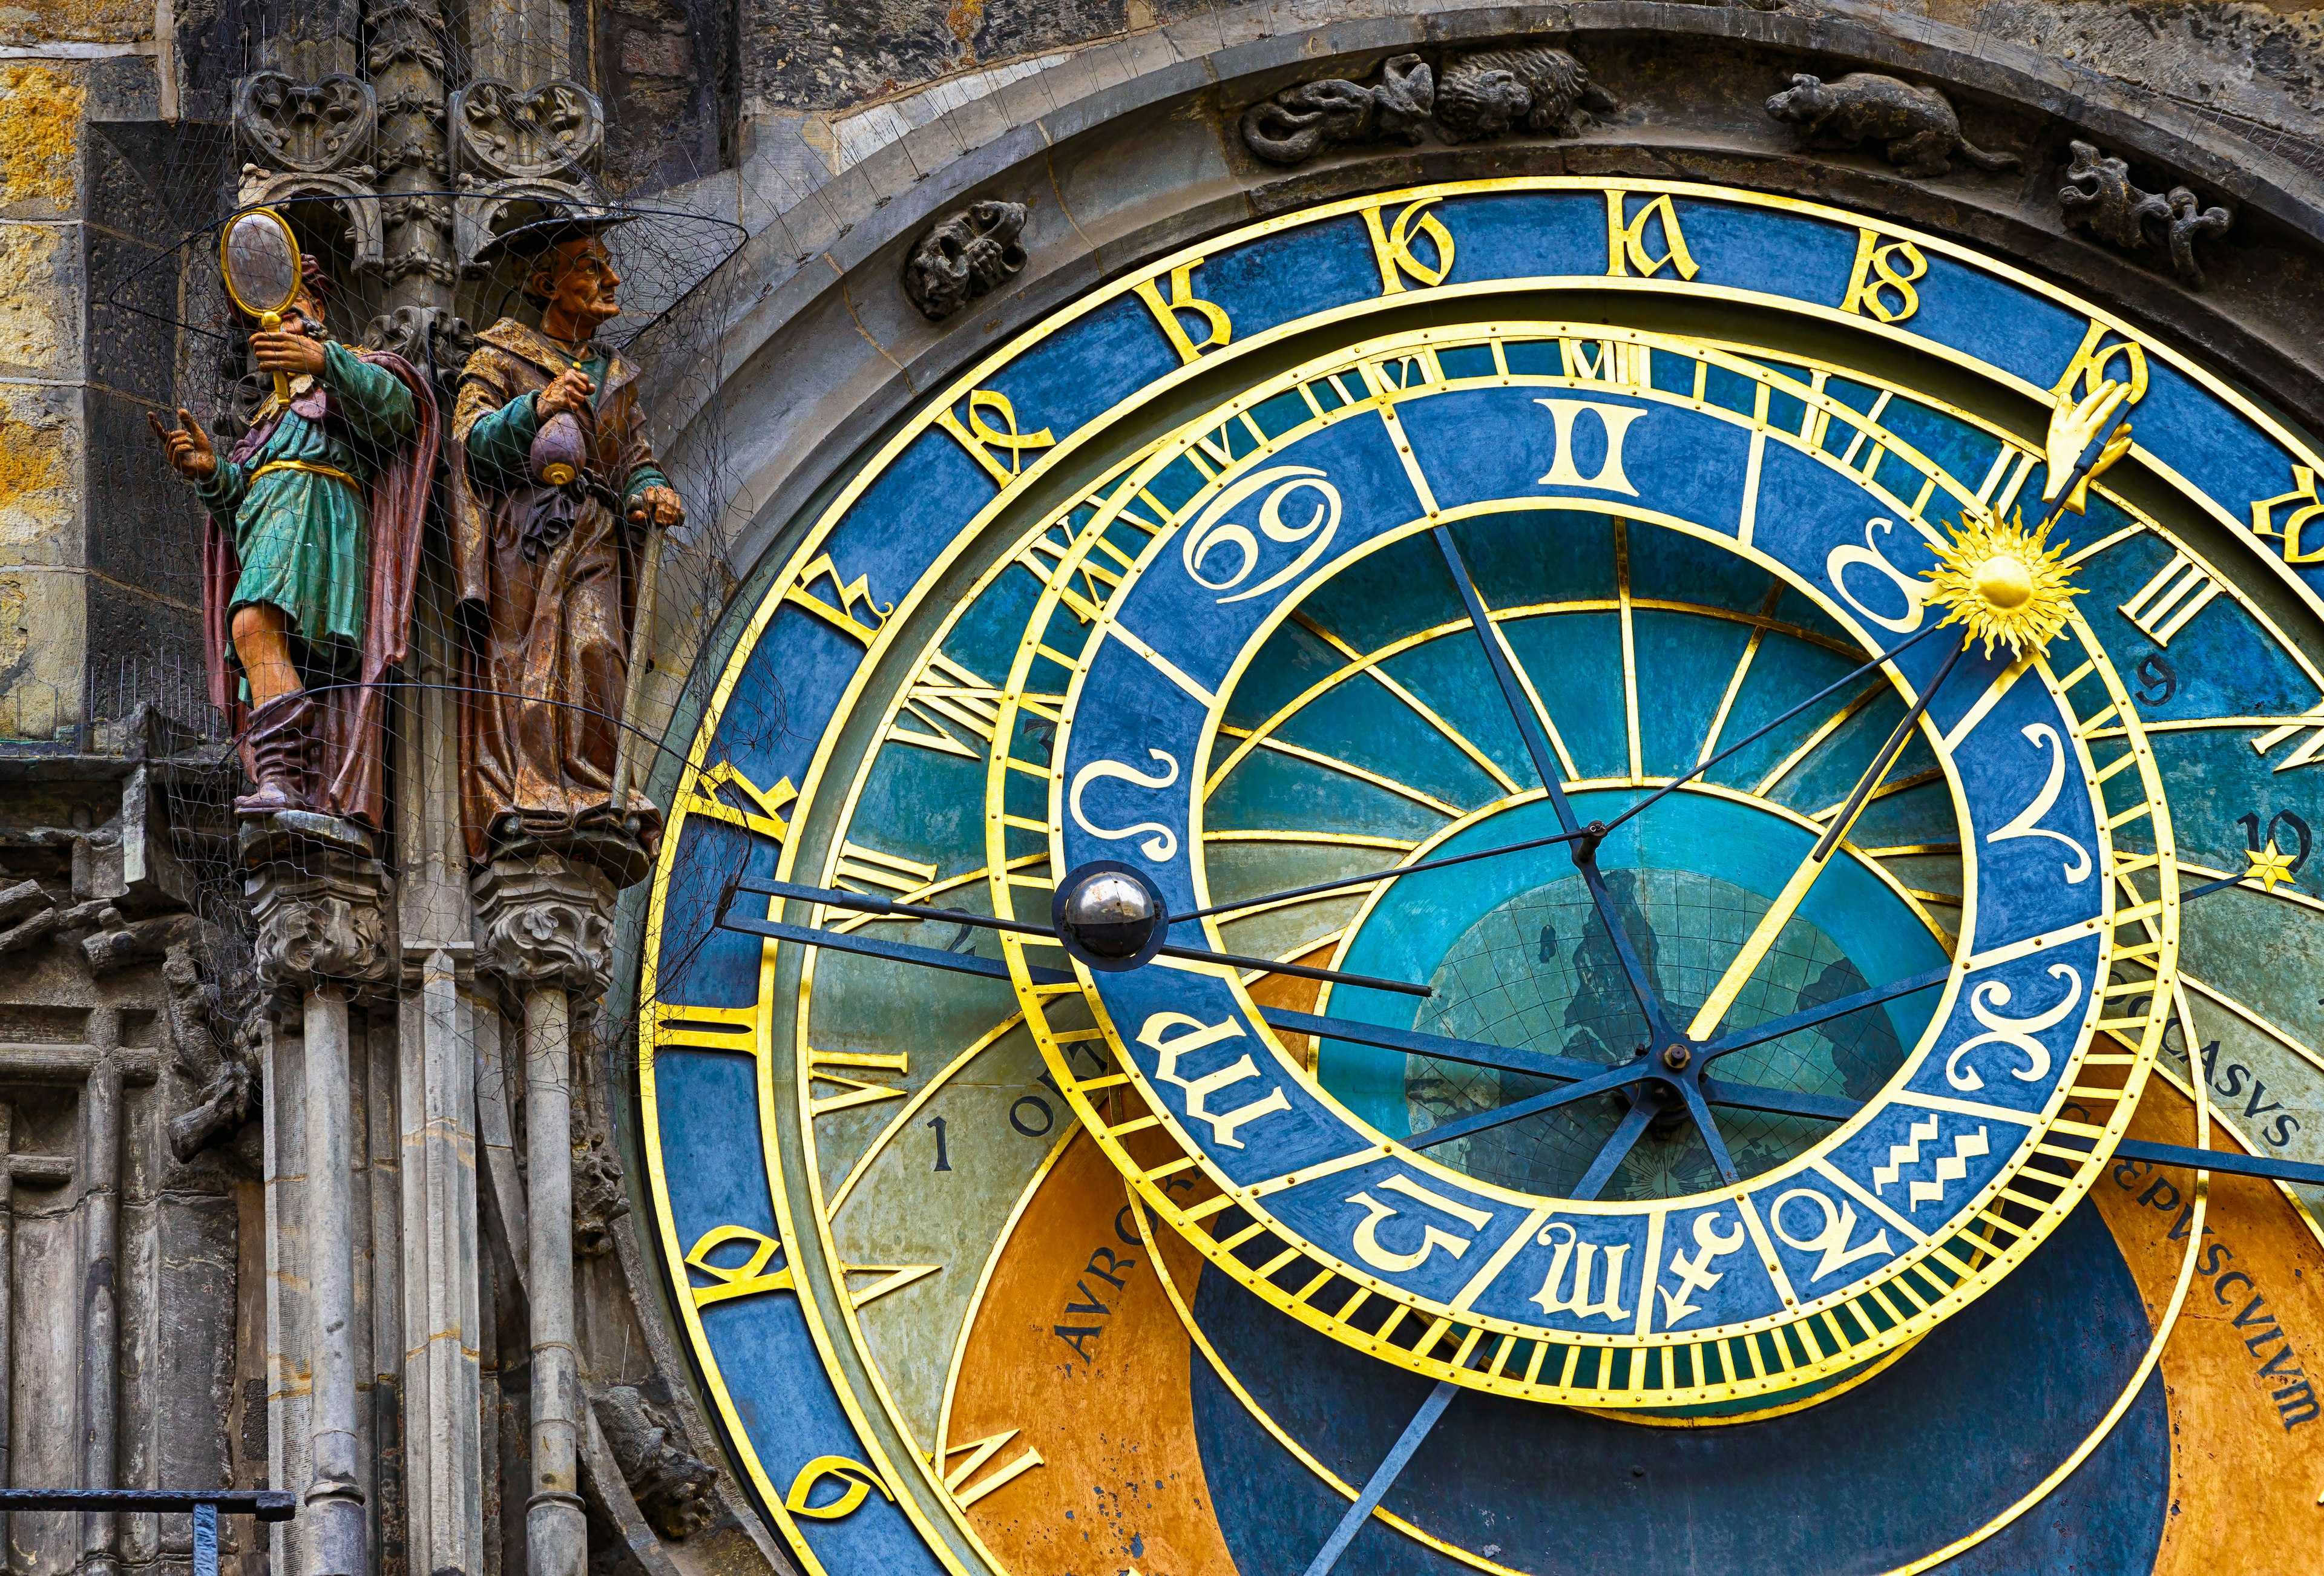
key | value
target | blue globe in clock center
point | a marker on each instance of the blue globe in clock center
(1516, 956)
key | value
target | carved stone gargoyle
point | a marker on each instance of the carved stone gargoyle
(964, 255)
(2100, 199)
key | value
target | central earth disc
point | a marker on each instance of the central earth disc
(1516, 956)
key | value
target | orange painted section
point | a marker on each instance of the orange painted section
(1095, 1377)
(2247, 1437)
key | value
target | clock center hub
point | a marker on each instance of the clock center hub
(1517, 955)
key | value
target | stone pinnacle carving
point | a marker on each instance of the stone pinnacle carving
(2100, 199)
(964, 255)
(1916, 128)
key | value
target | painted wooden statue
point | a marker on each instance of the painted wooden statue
(554, 500)
(311, 552)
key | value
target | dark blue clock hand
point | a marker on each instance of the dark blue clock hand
(932, 957)
(1545, 763)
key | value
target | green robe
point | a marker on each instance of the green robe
(301, 538)
(500, 445)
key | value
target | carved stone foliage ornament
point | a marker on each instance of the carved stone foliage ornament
(323, 924)
(511, 146)
(2098, 196)
(964, 255)
(500, 132)
(546, 920)
(672, 1486)
(312, 139)
(312, 128)
(1471, 97)
(1915, 127)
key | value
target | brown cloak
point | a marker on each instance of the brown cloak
(546, 659)
(396, 516)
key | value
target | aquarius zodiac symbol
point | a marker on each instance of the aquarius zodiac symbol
(1951, 1168)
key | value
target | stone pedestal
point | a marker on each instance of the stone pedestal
(321, 908)
(545, 921)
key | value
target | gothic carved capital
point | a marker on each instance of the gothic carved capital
(322, 921)
(311, 128)
(542, 919)
(500, 132)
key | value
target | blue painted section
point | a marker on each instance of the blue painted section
(1924, 1163)
(715, 1173)
(1480, 445)
(1996, 1048)
(1753, 250)
(1963, 1425)
(1524, 234)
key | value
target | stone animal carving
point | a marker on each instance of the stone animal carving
(964, 255)
(217, 1053)
(1918, 128)
(1300, 121)
(672, 1486)
(2100, 199)
(1490, 92)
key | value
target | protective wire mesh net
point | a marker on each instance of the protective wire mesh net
(163, 332)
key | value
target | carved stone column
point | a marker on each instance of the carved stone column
(407, 71)
(546, 928)
(321, 910)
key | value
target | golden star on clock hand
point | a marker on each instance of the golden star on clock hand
(1787, 902)
(2268, 867)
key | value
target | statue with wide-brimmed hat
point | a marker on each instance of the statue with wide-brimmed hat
(557, 501)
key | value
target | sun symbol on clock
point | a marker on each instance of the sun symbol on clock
(2004, 582)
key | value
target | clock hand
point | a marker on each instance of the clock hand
(1605, 1083)
(1596, 829)
(1808, 1018)
(1537, 744)
(901, 951)
(1779, 914)
(1618, 1149)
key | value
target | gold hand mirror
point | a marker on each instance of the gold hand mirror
(259, 258)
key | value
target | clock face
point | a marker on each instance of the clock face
(1637, 961)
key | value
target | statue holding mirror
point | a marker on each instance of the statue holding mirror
(312, 540)
(556, 509)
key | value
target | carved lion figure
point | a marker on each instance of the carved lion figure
(1485, 94)
(1918, 128)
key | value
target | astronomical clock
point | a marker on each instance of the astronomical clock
(1536, 875)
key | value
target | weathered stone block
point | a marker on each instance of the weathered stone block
(41, 107)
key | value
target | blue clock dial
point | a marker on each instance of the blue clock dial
(1301, 566)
